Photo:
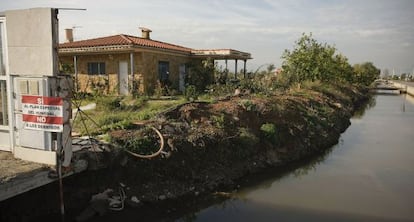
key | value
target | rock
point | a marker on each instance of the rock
(338, 105)
(237, 92)
(135, 199)
(133, 202)
(80, 165)
(162, 197)
(169, 129)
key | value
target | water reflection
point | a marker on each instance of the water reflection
(367, 176)
(359, 113)
(244, 211)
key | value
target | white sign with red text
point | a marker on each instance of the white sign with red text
(42, 113)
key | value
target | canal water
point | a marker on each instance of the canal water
(367, 176)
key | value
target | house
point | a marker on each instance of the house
(122, 64)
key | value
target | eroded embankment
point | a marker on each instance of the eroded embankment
(212, 145)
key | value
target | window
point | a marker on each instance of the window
(164, 72)
(2, 48)
(3, 104)
(96, 68)
(4, 119)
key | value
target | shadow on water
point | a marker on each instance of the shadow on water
(261, 180)
(241, 209)
(372, 101)
(188, 208)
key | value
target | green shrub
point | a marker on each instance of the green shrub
(218, 90)
(269, 132)
(108, 103)
(131, 103)
(144, 142)
(247, 104)
(191, 93)
(247, 137)
(219, 121)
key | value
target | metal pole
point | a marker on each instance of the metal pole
(59, 170)
(59, 150)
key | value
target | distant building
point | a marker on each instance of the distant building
(125, 63)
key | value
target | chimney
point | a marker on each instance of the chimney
(69, 35)
(145, 32)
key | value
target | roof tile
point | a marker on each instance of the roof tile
(123, 39)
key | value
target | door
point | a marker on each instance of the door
(33, 86)
(5, 139)
(123, 78)
(181, 80)
(164, 73)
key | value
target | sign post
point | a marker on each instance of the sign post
(42, 113)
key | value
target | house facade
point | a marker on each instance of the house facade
(121, 64)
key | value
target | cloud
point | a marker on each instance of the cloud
(362, 30)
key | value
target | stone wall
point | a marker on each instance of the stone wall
(145, 70)
(148, 67)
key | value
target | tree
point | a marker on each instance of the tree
(201, 74)
(311, 60)
(404, 76)
(270, 68)
(365, 73)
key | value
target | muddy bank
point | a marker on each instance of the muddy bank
(210, 146)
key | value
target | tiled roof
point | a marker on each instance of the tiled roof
(122, 39)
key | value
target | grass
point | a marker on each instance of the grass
(108, 116)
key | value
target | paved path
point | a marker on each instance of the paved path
(404, 82)
(83, 108)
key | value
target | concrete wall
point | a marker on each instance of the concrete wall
(32, 41)
(410, 89)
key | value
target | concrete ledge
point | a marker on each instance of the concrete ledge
(408, 89)
(34, 155)
(25, 176)
(17, 186)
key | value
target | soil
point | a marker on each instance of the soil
(12, 168)
(211, 146)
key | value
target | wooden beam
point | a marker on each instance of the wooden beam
(235, 69)
(244, 68)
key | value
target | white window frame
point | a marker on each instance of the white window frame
(6, 76)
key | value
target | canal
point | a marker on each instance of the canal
(367, 176)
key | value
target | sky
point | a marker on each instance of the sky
(378, 31)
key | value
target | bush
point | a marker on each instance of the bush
(143, 142)
(131, 103)
(248, 105)
(108, 103)
(191, 93)
(247, 138)
(217, 90)
(219, 121)
(269, 132)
